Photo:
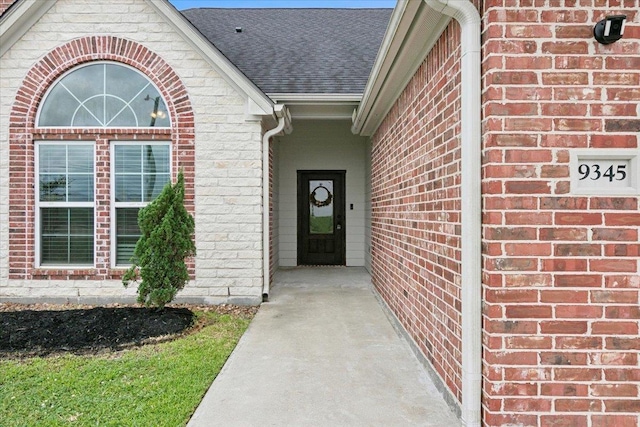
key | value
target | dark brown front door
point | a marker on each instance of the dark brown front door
(321, 218)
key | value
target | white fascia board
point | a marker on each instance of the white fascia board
(413, 30)
(310, 98)
(17, 20)
(220, 63)
(319, 106)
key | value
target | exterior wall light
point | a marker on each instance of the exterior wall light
(610, 29)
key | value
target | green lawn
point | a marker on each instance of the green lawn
(153, 385)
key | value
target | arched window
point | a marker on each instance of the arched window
(103, 95)
(111, 97)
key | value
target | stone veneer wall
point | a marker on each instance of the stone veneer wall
(222, 158)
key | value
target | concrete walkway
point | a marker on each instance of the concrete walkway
(322, 352)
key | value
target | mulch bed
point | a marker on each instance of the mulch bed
(43, 329)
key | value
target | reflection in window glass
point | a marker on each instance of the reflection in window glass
(103, 95)
(321, 207)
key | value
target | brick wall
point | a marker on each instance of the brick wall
(561, 278)
(415, 209)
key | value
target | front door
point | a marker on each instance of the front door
(321, 218)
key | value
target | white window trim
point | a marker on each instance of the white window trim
(115, 205)
(39, 205)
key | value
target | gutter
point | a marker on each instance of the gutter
(284, 123)
(468, 17)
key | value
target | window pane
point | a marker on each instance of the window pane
(80, 188)
(55, 221)
(67, 236)
(128, 158)
(127, 234)
(73, 180)
(53, 159)
(153, 185)
(121, 115)
(85, 82)
(81, 250)
(156, 159)
(55, 112)
(128, 188)
(81, 221)
(53, 188)
(141, 171)
(149, 114)
(80, 159)
(85, 118)
(53, 250)
(124, 83)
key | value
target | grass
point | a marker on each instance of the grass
(153, 385)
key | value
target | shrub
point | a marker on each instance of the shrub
(165, 243)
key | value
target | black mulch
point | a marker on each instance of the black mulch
(40, 332)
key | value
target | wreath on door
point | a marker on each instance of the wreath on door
(320, 203)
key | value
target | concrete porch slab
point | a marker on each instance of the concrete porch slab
(322, 352)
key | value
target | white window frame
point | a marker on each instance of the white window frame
(115, 205)
(39, 204)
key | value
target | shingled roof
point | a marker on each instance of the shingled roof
(297, 50)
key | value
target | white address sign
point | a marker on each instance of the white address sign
(604, 172)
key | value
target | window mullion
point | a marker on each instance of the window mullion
(66, 174)
(104, 95)
(69, 236)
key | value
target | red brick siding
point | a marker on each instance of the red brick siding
(561, 279)
(415, 217)
(4, 5)
(23, 133)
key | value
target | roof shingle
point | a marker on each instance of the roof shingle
(297, 50)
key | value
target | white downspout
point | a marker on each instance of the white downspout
(281, 113)
(467, 15)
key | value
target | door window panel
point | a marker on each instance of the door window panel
(321, 216)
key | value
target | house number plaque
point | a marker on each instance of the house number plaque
(604, 172)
